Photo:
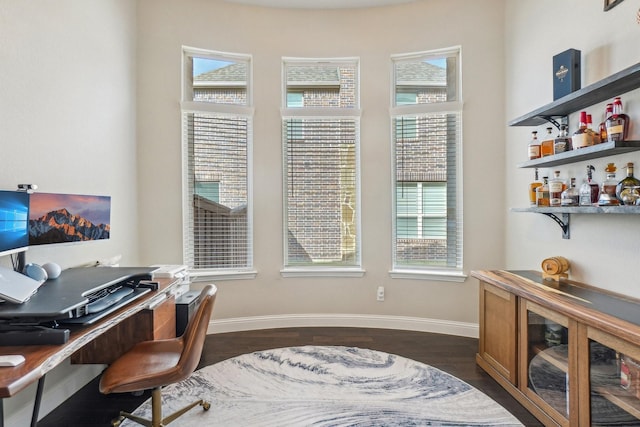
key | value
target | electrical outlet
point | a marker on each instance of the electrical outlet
(380, 293)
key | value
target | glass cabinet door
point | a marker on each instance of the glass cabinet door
(614, 376)
(544, 369)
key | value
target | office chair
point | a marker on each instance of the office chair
(154, 364)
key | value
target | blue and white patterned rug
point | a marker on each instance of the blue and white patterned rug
(328, 386)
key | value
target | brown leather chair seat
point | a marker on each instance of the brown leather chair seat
(154, 364)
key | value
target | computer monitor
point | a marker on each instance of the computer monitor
(14, 220)
(64, 218)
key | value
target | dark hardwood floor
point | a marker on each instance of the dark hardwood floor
(453, 354)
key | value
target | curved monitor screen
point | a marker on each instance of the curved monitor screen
(14, 218)
(62, 218)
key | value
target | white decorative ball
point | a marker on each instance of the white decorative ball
(53, 270)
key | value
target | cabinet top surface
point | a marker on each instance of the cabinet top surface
(573, 297)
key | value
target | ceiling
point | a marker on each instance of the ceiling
(320, 4)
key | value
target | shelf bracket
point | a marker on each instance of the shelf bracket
(562, 222)
(561, 120)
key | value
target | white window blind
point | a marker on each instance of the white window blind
(421, 210)
(320, 128)
(216, 145)
(320, 156)
(427, 141)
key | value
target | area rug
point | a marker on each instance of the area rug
(328, 386)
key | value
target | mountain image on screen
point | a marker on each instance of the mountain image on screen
(62, 226)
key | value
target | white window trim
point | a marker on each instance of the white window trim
(322, 272)
(325, 113)
(220, 109)
(428, 273)
(414, 110)
(321, 113)
(187, 92)
(187, 105)
(206, 275)
(311, 271)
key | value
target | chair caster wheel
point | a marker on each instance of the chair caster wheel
(117, 421)
(206, 406)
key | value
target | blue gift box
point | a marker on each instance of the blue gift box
(566, 73)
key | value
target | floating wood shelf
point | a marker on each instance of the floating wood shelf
(561, 215)
(614, 85)
(629, 210)
(581, 154)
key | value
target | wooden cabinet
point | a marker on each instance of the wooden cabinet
(161, 319)
(575, 349)
(613, 396)
(498, 343)
(547, 361)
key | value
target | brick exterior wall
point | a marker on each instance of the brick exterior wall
(423, 158)
(329, 209)
(220, 233)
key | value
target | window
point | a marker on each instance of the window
(320, 128)
(427, 142)
(217, 124)
(421, 210)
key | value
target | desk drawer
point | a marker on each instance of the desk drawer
(159, 323)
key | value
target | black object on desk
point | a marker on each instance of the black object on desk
(57, 298)
(69, 299)
(186, 306)
(30, 335)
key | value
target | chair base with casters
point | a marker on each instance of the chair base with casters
(154, 364)
(156, 408)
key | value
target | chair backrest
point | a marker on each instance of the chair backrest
(194, 336)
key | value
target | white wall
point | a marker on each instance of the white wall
(373, 35)
(603, 249)
(67, 124)
(67, 111)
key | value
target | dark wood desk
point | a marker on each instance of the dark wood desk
(151, 316)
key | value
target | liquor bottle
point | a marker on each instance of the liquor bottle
(590, 190)
(581, 137)
(594, 135)
(570, 196)
(627, 190)
(542, 192)
(602, 127)
(556, 187)
(562, 143)
(546, 146)
(618, 123)
(534, 146)
(625, 374)
(608, 190)
(532, 188)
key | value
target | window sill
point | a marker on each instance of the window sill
(433, 275)
(322, 272)
(203, 276)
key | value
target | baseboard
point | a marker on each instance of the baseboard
(418, 324)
